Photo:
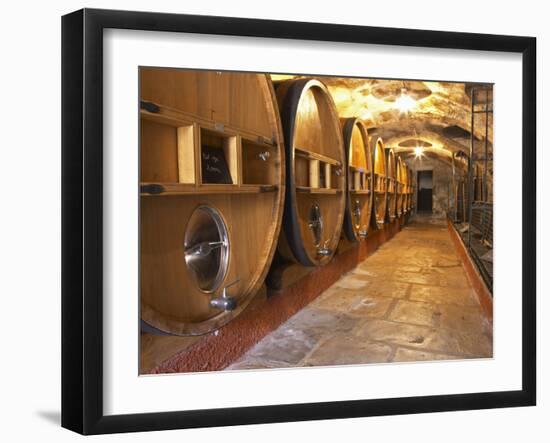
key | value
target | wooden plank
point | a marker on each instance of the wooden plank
(316, 156)
(308, 190)
(328, 183)
(232, 151)
(176, 118)
(160, 189)
(158, 152)
(356, 180)
(197, 149)
(186, 154)
(313, 173)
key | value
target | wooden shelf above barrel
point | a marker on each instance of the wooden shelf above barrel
(212, 178)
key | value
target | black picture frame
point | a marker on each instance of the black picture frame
(82, 218)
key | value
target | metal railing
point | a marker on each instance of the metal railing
(472, 211)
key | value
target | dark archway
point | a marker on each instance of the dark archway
(425, 191)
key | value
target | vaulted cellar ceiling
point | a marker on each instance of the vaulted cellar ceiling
(437, 118)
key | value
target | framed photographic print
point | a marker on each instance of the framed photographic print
(269, 221)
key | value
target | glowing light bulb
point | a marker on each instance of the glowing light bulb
(366, 115)
(405, 103)
(341, 95)
(418, 152)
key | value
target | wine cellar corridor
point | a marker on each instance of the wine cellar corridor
(409, 301)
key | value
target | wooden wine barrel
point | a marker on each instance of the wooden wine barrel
(405, 184)
(405, 188)
(401, 177)
(409, 189)
(315, 197)
(212, 191)
(359, 178)
(380, 181)
(391, 172)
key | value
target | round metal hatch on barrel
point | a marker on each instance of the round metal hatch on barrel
(206, 248)
(212, 178)
(315, 198)
(359, 177)
(380, 181)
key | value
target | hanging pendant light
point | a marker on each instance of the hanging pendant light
(404, 102)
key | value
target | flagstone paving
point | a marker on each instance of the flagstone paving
(409, 301)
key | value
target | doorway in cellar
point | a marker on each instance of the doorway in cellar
(425, 191)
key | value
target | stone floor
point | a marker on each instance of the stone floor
(409, 301)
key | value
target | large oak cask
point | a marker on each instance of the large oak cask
(391, 170)
(315, 197)
(359, 178)
(380, 181)
(407, 189)
(212, 189)
(401, 183)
